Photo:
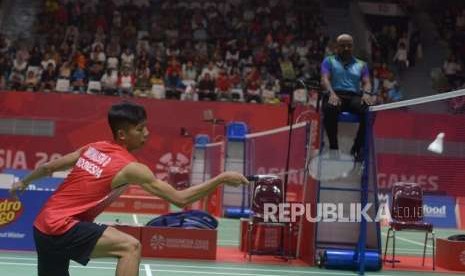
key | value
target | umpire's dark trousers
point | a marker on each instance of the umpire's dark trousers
(350, 102)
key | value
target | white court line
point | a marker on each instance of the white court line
(410, 241)
(148, 271)
(134, 217)
(322, 272)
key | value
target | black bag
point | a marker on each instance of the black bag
(457, 238)
(193, 219)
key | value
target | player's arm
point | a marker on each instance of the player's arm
(46, 169)
(137, 173)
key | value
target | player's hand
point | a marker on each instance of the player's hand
(334, 99)
(17, 188)
(233, 179)
(367, 99)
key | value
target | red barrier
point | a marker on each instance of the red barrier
(178, 243)
(131, 230)
(139, 205)
(451, 254)
(80, 119)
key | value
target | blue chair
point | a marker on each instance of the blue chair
(236, 131)
(201, 140)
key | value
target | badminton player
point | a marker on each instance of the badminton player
(64, 229)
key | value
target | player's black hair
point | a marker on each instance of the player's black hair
(124, 114)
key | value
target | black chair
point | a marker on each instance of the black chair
(267, 189)
(407, 215)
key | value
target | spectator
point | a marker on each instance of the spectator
(127, 58)
(114, 48)
(4, 71)
(19, 65)
(223, 86)
(287, 68)
(158, 86)
(80, 60)
(16, 80)
(98, 55)
(109, 82)
(65, 71)
(189, 73)
(32, 81)
(142, 85)
(48, 78)
(126, 83)
(174, 85)
(47, 59)
(206, 88)
(95, 71)
(253, 93)
(211, 70)
(35, 59)
(78, 80)
(269, 94)
(451, 68)
(401, 57)
(232, 56)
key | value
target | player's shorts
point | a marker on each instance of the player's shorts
(55, 252)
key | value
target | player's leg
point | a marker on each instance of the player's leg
(52, 260)
(127, 249)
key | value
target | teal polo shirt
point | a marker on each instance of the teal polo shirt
(345, 77)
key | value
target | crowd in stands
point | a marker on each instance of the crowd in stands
(451, 26)
(229, 50)
(395, 47)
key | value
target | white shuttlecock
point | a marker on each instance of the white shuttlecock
(437, 145)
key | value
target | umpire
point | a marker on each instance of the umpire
(347, 80)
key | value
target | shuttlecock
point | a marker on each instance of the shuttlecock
(437, 145)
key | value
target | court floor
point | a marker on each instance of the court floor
(19, 264)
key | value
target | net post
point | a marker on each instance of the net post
(361, 245)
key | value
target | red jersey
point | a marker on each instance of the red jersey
(87, 190)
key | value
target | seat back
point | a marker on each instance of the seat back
(407, 202)
(94, 87)
(158, 91)
(62, 85)
(266, 189)
(237, 94)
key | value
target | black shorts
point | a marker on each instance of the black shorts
(55, 252)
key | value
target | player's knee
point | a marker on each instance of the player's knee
(132, 246)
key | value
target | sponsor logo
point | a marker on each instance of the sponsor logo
(434, 211)
(462, 257)
(171, 163)
(158, 242)
(10, 211)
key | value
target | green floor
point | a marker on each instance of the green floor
(19, 264)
